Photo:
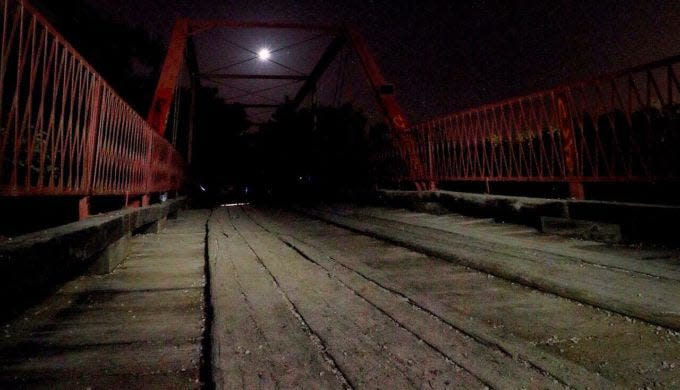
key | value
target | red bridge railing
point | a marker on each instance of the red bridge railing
(63, 130)
(619, 127)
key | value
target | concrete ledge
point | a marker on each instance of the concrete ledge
(111, 256)
(154, 227)
(637, 222)
(651, 299)
(520, 209)
(32, 264)
(587, 230)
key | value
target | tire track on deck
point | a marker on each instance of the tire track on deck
(578, 376)
(374, 342)
(468, 254)
(217, 250)
(315, 338)
(251, 310)
(207, 377)
(400, 296)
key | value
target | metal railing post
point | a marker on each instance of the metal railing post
(576, 189)
(90, 143)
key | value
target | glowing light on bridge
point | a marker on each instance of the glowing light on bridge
(264, 54)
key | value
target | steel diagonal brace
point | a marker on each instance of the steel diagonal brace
(162, 100)
(383, 92)
(384, 95)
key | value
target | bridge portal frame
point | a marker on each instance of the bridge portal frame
(181, 48)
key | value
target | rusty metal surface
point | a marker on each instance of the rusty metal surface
(63, 129)
(620, 127)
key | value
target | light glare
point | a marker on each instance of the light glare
(263, 54)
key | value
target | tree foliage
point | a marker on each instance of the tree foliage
(317, 149)
(126, 56)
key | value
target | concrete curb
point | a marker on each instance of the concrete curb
(638, 222)
(34, 263)
(568, 282)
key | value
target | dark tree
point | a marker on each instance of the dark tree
(126, 56)
(314, 151)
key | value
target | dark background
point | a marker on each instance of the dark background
(441, 55)
(446, 55)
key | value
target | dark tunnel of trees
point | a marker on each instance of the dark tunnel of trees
(318, 151)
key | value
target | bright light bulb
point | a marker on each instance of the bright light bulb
(264, 54)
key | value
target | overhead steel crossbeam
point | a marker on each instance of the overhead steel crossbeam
(382, 91)
(256, 92)
(255, 55)
(260, 105)
(326, 59)
(186, 28)
(253, 76)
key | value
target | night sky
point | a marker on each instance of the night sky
(441, 55)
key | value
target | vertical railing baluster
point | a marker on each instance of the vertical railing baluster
(92, 131)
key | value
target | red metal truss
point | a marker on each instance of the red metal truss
(182, 32)
(384, 95)
(172, 66)
(382, 91)
(63, 129)
(620, 127)
(387, 101)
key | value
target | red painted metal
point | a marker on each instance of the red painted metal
(388, 103)
(172, 66)
(194, 86)
(182, 32)
(392, 110)
(185, 28)
(63, 130)
(620, 127)
(83, 208)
